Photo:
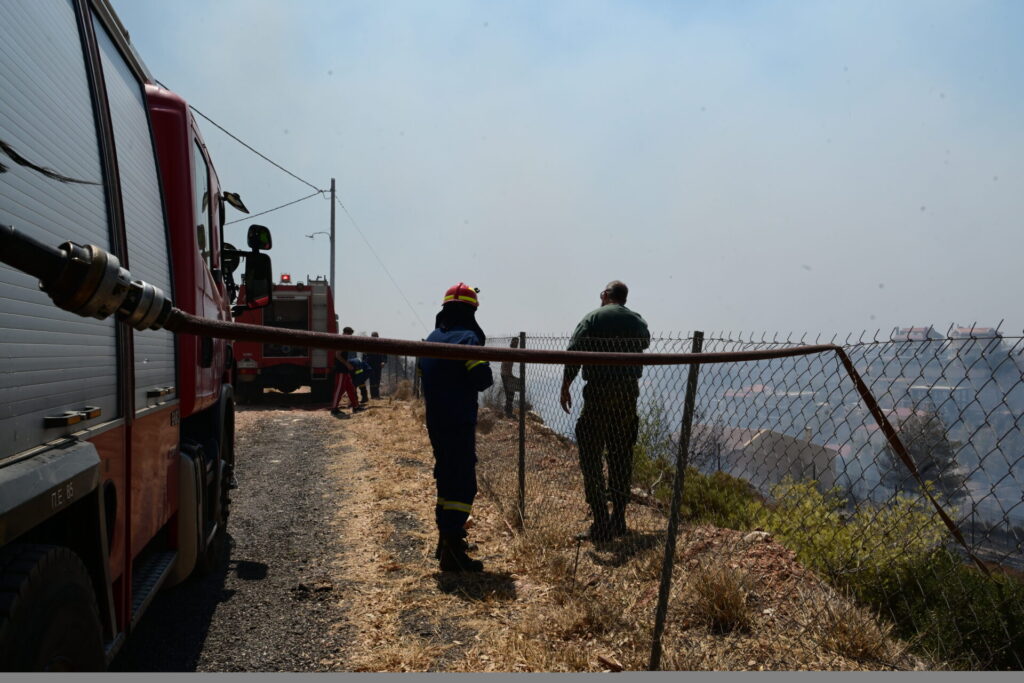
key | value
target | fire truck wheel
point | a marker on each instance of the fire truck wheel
(248, 393)
(322, 389)
(210, 558)
(49, 620)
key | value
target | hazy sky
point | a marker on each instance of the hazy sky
(768, 166)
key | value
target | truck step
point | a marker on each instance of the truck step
(147, 578)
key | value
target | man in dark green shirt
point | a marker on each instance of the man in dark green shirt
(608, 423)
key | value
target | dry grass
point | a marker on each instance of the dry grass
(720, 598)
(857, 633)
(403, 391)
(548, 602)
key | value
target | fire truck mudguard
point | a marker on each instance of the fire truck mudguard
(34, 489)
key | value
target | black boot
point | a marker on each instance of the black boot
(437, 550)
(453, 555)
(617, 524)
(600, 528)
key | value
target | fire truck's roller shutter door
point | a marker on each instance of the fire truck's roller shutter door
(51, 361)
(148, 250)
(319, 321)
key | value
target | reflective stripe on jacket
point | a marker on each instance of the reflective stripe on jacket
(450, 387)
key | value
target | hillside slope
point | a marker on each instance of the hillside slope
(549, 603)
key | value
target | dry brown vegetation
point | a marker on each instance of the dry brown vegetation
(550, 603)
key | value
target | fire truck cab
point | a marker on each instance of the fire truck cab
(116, 446)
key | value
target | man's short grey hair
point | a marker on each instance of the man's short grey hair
(617, 291)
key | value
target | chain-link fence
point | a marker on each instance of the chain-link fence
(397, 376)
(804, 539)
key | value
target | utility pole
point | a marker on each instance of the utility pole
(333, 289)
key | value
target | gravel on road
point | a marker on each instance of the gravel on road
(275, 602)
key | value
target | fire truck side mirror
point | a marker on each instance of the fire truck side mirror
(258, 280)
(230, 258)
(259, 237)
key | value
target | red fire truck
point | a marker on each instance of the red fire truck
(297, 306)
(116, 440)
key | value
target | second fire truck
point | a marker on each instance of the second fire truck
(296, 306)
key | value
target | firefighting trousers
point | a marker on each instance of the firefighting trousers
(607, 429)
(455, 474)
(375, 382)
(343, 383)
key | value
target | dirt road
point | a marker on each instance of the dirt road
(330, 566)
(275, 603)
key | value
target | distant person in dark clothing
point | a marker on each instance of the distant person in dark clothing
(608, 424)
(509, 382)
(376, 361)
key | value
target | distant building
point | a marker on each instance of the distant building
(764, 457)
(975, 333)
(916, 334)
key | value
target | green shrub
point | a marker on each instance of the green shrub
(654, 455)
(892, 558)
(856, 551)
(955, 613)
(717, 498)
(720, 499)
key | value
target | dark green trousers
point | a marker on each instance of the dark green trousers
(606, 432)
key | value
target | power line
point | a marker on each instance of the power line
(253, 150)
(261, 213)
(374, 252)
(302, 199)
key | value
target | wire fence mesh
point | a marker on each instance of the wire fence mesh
(804, 539)
(397, 376)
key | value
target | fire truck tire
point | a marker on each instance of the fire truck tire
(49, 619)
(323, 390)
(210, 557)
(248, 393)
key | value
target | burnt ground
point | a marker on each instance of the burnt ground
(276, 601)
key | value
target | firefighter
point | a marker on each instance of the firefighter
(450, 389)
(360, 373)
(343, 370)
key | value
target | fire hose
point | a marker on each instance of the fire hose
(89, 281)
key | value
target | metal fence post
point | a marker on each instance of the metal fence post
(415, 381)
(522, 435)
(677, 499)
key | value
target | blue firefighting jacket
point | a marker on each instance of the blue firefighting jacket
(450, 387)
(360, 371)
